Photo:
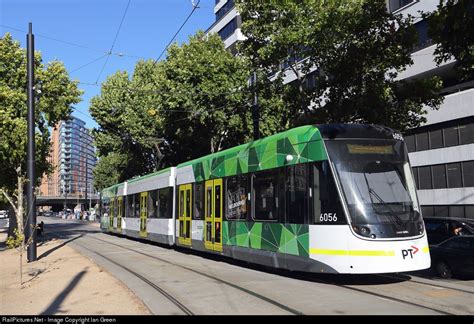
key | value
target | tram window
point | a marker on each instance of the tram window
(296, 194)
(209, 201)
(327, 208)
(198, 201)
(264, 194)
(128, 202)
(181, 203)
(131, 206)
(165, 201)
(236, 197)
(218, 195)
(137, 206)
(188, 203)
(152, 204)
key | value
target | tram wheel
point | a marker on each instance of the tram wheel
(443, 270)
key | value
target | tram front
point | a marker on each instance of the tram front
(386, 230)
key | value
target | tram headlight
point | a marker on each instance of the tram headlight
(420, 227)
(362, 230)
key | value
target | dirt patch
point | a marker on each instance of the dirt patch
(62, 282)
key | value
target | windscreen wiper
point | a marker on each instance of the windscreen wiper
(397, 219)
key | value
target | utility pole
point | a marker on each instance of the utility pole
(87, 173)
(30, 159)
(255, 110)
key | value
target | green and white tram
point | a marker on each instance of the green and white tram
(331, 198)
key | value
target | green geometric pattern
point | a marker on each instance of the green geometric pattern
(284, 238)
(304, 144)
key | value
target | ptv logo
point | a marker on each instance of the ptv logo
(409, 252)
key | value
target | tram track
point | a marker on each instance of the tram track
(406, 279)
(222, 281)
(349, 287)
(380, 294)
(411, 279)
(163, 292)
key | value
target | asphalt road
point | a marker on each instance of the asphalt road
(173, 282)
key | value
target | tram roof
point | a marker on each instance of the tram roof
(302, 143)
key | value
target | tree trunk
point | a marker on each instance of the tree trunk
(19, 213)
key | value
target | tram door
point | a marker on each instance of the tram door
(184, 214)
(111, 213)
(213, 215)
(119, 213)
(143, 213)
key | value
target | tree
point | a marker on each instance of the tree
(125, 111)
(450, 27)
(204, 103)
(57, 94)
(345, 57)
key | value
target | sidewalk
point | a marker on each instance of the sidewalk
(61, 282)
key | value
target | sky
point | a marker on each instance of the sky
(80, 33)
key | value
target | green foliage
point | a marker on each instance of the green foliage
(191, 104)
(203, 101)
(126, 128)
(353, 52)
(15, 240)
(54, 102)
(451, 27)
(111, 169)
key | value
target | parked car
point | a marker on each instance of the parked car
(453, 257)
(439, 229)
(3, 213)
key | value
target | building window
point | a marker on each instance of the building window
(451, 136)
(397, 4)
(468, 173)
(422, 142)
(441, 211)
(469, 211)
(228, 29)
(439, 176)
(454, 175)
(410, 143)
(424, 40)
(456, 211)
(424, 174)
(427, 211)
(224, 9)
(436, 139)
(466, 133)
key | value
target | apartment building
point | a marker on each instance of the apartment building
(73, 159)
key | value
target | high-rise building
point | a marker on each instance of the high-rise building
(442, 149)
(73, 158)
(227, 24)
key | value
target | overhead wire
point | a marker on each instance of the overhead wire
(195, 6)
(113, 43)
(120, 54)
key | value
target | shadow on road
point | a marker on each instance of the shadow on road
(55, 306)
(48, 252)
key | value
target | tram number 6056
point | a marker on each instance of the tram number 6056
(328, 217)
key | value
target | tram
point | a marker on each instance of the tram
(336, 198)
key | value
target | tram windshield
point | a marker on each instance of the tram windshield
(376, 180)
